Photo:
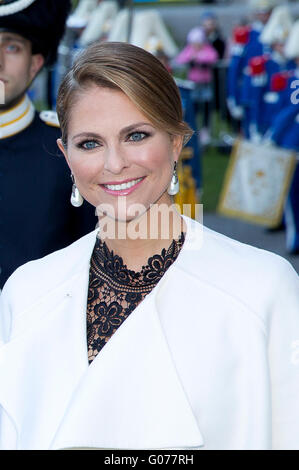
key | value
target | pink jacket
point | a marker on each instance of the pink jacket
(206, 56)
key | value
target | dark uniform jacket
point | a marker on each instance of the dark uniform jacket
(36, 216)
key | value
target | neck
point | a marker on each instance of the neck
(12, 104)
(141, 238)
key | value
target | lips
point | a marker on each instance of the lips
(122, 188)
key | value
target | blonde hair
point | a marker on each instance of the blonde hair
(135, 72)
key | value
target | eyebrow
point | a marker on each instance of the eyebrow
(9, 37)
(125, 130)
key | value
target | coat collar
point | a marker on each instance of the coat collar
(16, 119)
(130, 397)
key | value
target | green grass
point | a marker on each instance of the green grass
(214, 164)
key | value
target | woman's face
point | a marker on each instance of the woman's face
(117, 156)
(209, 25)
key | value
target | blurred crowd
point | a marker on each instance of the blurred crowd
(262, 76)
(259, 59)
(253, 74)
(262, 91)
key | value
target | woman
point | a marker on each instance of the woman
(191, 338)
(200, 56)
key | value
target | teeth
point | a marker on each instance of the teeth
(120, 187)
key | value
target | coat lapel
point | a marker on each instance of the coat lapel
(131, 397)
(41, 365)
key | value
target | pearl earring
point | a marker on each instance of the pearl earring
(174, 186)
(76, 198)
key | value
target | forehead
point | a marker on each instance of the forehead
(97, 104)
(11, 36)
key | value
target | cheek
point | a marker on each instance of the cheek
(20, 66)
(156, 157)
(84, 168)
(20, 74)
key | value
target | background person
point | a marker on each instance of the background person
(284, 132)
(200, 56)
(245, 45)
(260, 99)
(36, 216)
(187, 332)
(210, 25)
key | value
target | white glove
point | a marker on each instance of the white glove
(254, 135)
(267, 139)
(236, 111)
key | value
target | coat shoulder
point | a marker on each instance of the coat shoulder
(248, 275)
(38, 278)
(236, 260)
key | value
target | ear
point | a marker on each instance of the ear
(63, 150)
(177, 145)
(37, 62)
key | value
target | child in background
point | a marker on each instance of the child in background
(200, 57)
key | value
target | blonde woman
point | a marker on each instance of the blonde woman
(152, 332)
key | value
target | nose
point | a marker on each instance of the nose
(115, 160)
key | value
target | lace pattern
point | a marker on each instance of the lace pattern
(115, 291)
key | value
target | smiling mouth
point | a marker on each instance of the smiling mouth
(122, 186)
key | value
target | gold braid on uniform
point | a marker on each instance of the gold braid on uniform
(115, 291)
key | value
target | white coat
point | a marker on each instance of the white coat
(209, 360)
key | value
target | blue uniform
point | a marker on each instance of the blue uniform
(36, 216)
(285, 133)
(190, 118)
(265, 102)
(238, 70)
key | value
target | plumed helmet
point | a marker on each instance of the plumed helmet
(278, 27)
(279, 81)
(263, 5)
(292, 44)
(257, 65)
(40, 21)
(241, 34)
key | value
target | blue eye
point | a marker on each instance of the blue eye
(12, 48)
(137, 136)
(88, 144)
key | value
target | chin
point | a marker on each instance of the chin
(126, 218)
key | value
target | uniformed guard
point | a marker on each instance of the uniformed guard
(100, 23)
(284, 132)
(145, 25)
(261, 88)
(82, 13)
(245, 45)
(235, 70)
(194, 159)
(36, 216)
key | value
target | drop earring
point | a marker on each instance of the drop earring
(174, 186)
(76, 198)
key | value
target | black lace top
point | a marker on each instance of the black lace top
(115, 291)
